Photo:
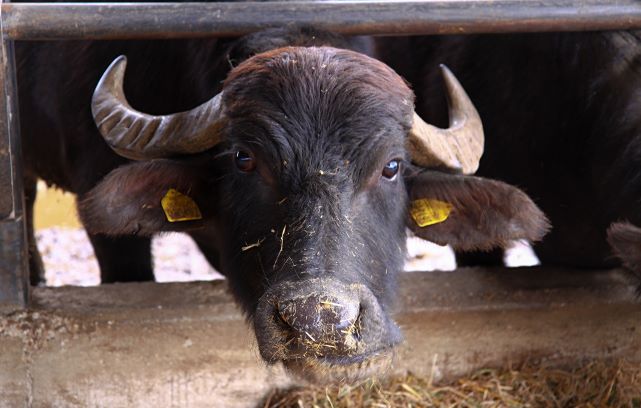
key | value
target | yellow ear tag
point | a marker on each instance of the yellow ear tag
(428, 212)
(179, 207)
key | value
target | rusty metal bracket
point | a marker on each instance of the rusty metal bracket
(14, 274)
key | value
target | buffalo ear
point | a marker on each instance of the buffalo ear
(128, 200)
(478, 213)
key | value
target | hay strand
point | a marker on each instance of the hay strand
(595, 384)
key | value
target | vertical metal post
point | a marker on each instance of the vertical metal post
(14, 266)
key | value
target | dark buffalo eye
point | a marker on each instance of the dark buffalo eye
(391, 168)
(244, 161)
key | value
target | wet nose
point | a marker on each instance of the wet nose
(322, 317)
(318, 316)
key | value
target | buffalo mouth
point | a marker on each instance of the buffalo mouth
(325, 331)
(332, 370)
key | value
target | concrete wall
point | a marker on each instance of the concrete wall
(187, 345)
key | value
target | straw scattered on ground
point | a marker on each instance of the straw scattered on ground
(594, 385)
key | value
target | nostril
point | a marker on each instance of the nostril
(358, 324)
(286, 312)
(354, 326)
(318, 315)
(341, 315)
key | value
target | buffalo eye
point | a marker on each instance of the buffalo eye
(245, 162)
(391, 169)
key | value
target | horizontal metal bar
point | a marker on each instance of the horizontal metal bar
(50, 21)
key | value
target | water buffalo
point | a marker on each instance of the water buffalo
(561, 118)
(297, 178)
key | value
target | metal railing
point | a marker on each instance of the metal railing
(47, 21)
(66, 21)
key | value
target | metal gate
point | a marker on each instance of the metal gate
(67, 21)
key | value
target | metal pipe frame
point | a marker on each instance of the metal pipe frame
(70, 21)
(56, 21)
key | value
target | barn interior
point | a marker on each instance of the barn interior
(526, 335)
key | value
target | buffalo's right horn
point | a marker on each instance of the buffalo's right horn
(459, 147)
(140, 136)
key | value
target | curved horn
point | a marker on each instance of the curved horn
(140, 136)
(460, 146)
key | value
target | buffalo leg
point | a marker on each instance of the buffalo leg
(210, 253)
(480, 258)
(36, 267)
(123, 258)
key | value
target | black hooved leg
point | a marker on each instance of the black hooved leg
(124, 258)
(479, 258)
(36, 267)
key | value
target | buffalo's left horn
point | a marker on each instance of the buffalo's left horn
(459, 147)
(140, 136)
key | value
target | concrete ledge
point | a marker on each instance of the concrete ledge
(187, 344)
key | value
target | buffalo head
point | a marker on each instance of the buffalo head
(302, 171)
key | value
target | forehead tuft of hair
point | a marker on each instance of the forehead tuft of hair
(324, 74)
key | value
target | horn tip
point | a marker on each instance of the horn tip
(118, 65)
(444, 67)
(447, 74)
(115, 71)
(109, 83)
(113, 75)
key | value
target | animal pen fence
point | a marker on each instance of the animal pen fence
(466, 291)
(104, 21)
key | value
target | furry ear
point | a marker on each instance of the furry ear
(472, 213)
(128, 200)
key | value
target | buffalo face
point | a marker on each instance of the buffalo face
(316, 141)
(303, 169)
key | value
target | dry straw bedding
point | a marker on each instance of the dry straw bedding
(593, 385)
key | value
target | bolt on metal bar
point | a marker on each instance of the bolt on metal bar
(51, 21)
(14, 276)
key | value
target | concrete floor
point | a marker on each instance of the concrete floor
(187, 345)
